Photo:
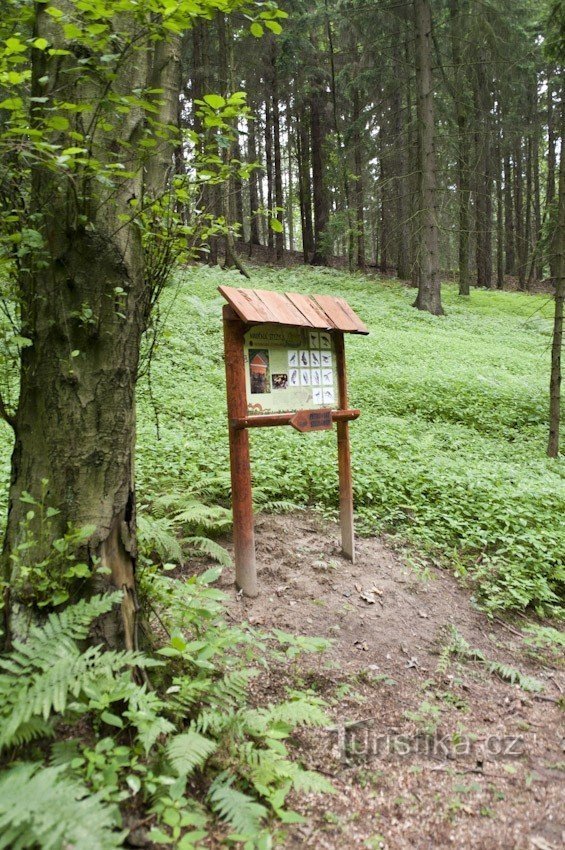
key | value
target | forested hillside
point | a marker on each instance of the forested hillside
(337, 117)
(282, 496)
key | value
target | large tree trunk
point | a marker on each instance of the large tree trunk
(521, 246)
(320, 195)
(359, 186)
(509, 225)
(304, 184)
(429, 291)
(279, 200)
(290, 190)
(483, 193)
(254, 238)
(75, 422)
(401, 180)
(557, 342)
(269, 167)
(456, 11)
(551, 165)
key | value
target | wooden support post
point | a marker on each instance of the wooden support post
(344, 456)
(242, 499)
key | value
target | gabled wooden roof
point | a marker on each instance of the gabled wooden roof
(324, 312)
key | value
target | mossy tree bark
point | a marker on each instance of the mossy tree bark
(84, 309)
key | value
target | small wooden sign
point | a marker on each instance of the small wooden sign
(285, 365)
(312, 420)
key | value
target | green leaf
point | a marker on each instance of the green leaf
(112, 719)
(274, 27)
(276, 225)
(58, 122)
(216, 101)
(256, 29)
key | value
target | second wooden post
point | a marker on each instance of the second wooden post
(344, 457)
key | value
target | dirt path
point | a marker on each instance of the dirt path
(446, 754)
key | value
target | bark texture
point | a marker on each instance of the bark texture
(75, 422)
(557, 342)
(429, 292)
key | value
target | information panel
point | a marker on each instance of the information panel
(289, 369)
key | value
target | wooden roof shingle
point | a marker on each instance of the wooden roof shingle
(323, 312)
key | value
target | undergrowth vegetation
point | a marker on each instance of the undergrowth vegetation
(449, 453)
(87, 749)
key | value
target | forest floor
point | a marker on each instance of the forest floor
(266, 256)
(429, 749)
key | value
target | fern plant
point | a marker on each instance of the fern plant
(178, 524)
(39, 676)
(456, 645)
(47, 808)
(197, 730)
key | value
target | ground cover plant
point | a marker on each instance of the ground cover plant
(449, 453)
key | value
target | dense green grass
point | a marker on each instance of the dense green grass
(449, 453)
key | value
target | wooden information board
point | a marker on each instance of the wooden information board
(285, 365)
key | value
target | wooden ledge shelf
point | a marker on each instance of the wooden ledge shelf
(264, 420)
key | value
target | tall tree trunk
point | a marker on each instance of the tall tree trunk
(279, 200)
(551, 166)
(402, 181)
(359, 188)
(429, 287)
(528, 236)
(290, 190)
(225, 66)
(509, 228)
(75, 421)
(483, 193)
(557, 342)
(319, 194)
(254, 238)
(456, 11)
(385, 206)
(269, 166)
(304, 184)
(521, 247)
(499, 222)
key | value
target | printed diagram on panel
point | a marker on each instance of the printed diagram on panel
(289, 369)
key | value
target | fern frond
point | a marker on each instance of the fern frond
(310, 782)
(210, 548)
(304, 711)
(242, 812)
(144, 712)
(196, 514)
(43, 807)
(40, 676)
(157, 534)
(188, 751)
(514, 677)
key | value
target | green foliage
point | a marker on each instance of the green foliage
(192, 748)
(188, 751)
(41, 674)
(181, 523)
(456, 645)
(544, 637)
(48, 570)
(45, 807)
(449, 452)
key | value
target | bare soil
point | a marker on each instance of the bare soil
(446, 754)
